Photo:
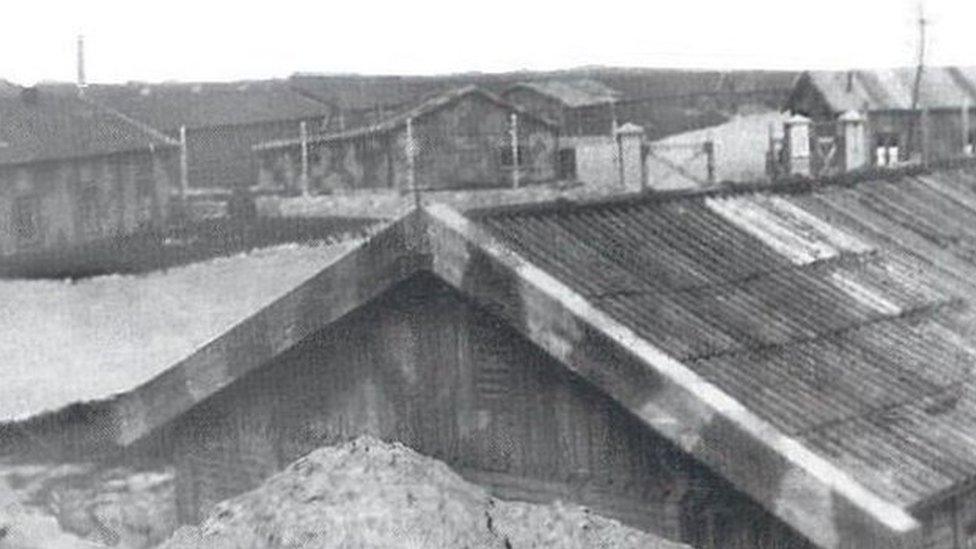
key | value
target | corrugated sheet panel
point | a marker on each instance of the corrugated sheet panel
(841, 315)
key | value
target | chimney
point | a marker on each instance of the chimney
(850, 81)
(82, 84)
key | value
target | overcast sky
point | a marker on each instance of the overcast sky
(224, 40)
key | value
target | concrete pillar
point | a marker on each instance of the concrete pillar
(855, 140)
(797, 138)
(630, 141)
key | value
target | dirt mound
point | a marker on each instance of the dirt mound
(367, 493)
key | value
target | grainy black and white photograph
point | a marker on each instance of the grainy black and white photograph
(517, 275)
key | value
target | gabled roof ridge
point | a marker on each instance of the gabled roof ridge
(803, 489)
(810, 473)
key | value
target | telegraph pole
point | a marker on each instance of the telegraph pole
(919, 70)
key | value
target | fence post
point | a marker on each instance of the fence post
(513, 131)
(411, 154)
(613, 117)
(966, 151)
(709, 148)
(797, 139)
(184, 172)
(855, 149)
(925, 135)
(303, 181)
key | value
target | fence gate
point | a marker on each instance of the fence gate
(675, 163)
(825, 145)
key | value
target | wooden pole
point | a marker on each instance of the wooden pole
(926, 122)
(613, 118)
(710, 159)
(515, 148)
(965, 129)
(411, 154)
(303, 133)
(184, 170)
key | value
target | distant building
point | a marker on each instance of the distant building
(223, 121)
(73, 172)
(363, 100)
(580, 106)
(896, 132)
(461, 139)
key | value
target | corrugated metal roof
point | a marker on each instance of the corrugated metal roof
(840, 315)
(891, 89)
(574, 93)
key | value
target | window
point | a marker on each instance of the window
(970, 147)
(507, 156)
(886, 149)
(27, 221)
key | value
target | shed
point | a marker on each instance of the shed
(580, 106)
(459, 139)
(73, 172)
(938, 122)
(222, 120)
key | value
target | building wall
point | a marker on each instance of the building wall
(951, 524)
(597, 159)
(588, 120)
(222, 157)
(422, 366)
(538, 104)
(945, 138)
(463, 146)
(77, 201)
(460, 146)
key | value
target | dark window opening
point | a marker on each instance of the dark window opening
(27, 221)
(567, 164)
(970, 148)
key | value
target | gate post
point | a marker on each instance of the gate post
(797, 137)
(630, 141)
(855, 149)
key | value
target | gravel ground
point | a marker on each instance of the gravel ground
(367, 493)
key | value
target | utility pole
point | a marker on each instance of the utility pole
(513, 129)
(184, 172)
(965, 129)
(411, 164)
(303, 135)
(916, 88)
